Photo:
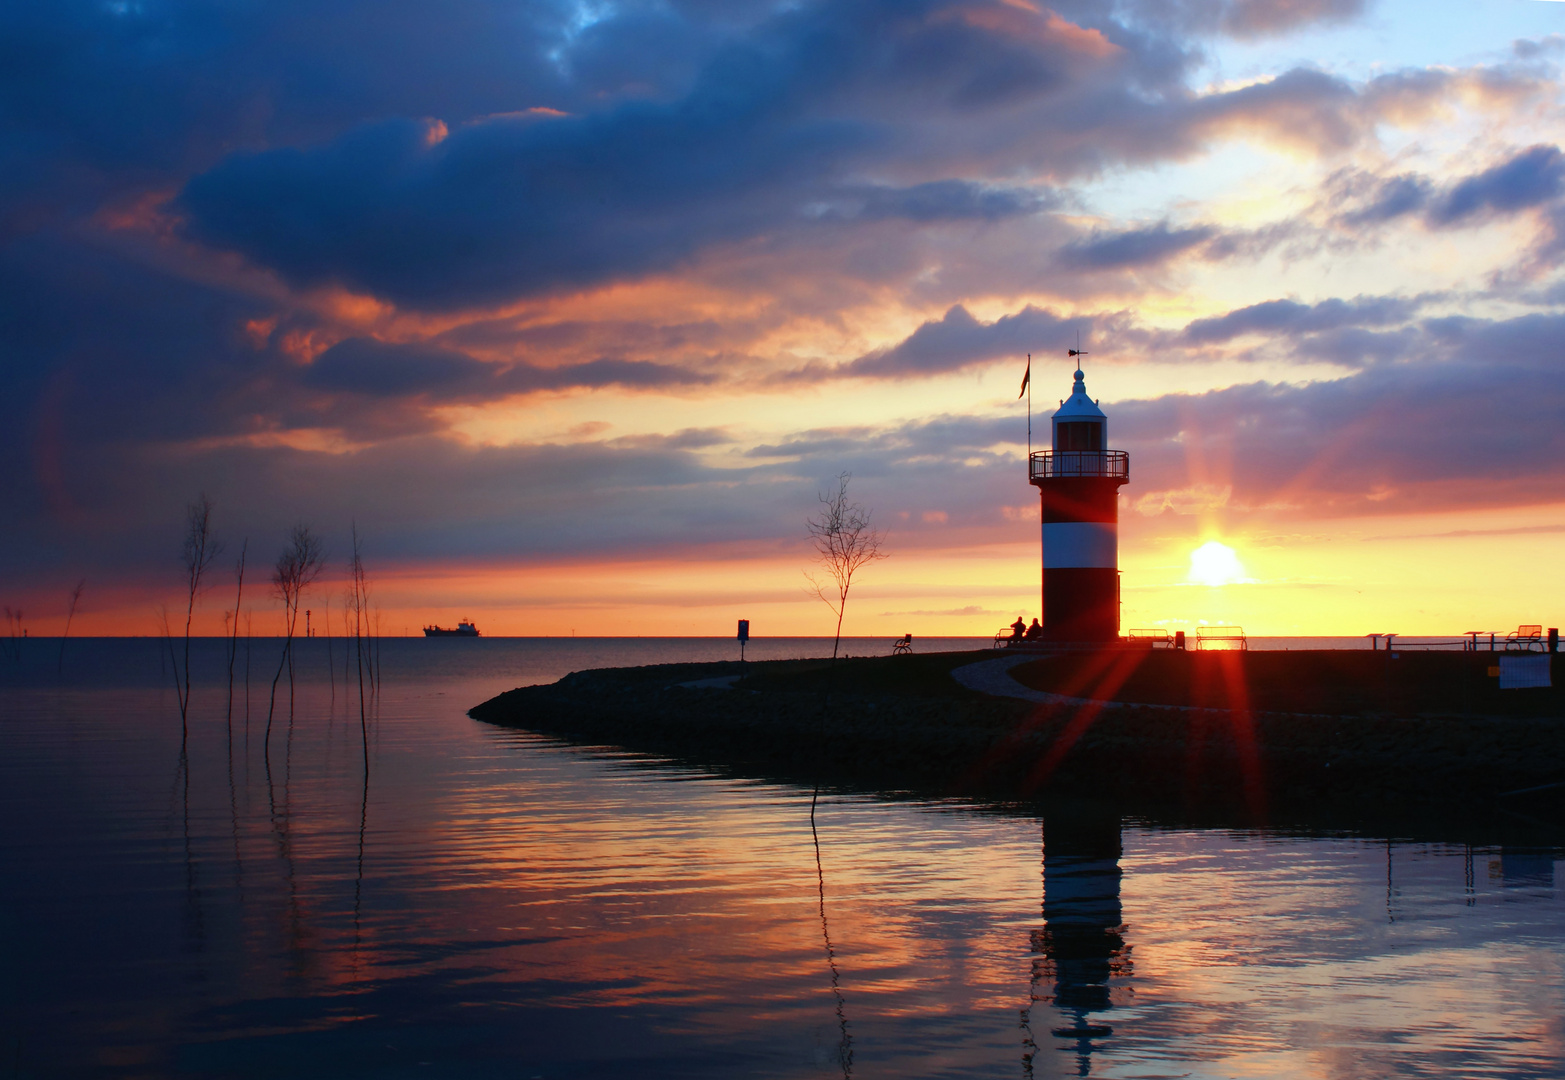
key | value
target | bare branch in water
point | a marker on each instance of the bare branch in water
(297, 567)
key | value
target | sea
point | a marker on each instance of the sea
(280, 885)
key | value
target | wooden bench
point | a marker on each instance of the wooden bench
(1223, 635)
(904, 644)
(1524, 638)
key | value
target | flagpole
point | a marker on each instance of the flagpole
(1029, 413)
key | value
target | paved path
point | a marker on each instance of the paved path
(993, 677)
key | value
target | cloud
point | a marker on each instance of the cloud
(970, 609)
(1520, 530)
(379, 369)
(1392, 198)
(958, 340)
(1531, 177)
(1433, 430)
(1528, 178)
(1194, 499)
(938, 200)
(1528, 49)
(1289, 317)
(768, 135)
(1249, 19)
(1134, 247)
(771, 139)
(1246, 20)
(385, 369)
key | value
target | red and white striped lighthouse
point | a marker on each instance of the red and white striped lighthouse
(1079, 484)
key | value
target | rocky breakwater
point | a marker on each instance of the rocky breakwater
(1261, 731)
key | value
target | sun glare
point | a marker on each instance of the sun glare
(1215, 564)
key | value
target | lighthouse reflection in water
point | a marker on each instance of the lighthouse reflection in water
(1081, 964)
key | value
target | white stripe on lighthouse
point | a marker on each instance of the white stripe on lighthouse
(1080, 543)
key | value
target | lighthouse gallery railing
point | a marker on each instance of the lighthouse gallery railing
(1047, 464)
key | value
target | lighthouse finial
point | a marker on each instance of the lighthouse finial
(1078, 352)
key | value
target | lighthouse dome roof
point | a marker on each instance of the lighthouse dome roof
(1079, 405)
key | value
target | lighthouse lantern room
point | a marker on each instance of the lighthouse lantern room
(1078, 482)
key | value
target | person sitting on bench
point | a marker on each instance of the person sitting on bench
(1034, 632)
(1018, 629)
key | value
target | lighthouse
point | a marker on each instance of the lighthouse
(1078, 482)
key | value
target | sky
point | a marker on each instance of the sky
(573, 309)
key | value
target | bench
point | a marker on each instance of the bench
(1150, 638)
(1221, 635)
(1524, 638)
(904, 644)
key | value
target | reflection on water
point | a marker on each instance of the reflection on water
(1081, 948)
(490, 903)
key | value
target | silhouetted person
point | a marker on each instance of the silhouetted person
(1035, 631)
(1018, 629)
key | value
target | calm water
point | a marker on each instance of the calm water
(494, 904)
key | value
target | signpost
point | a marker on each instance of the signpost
(744, 636)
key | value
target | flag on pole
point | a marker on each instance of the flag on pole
(1026, 377)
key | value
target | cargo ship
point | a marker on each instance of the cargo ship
(465, 628)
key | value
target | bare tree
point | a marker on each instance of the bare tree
(359, 601)
(299, 565)
(70, 613)
(331, 666)
(844, 541)
(197, 554)
(233, 641)
(14, 632)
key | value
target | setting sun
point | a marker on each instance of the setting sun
(1215, 564)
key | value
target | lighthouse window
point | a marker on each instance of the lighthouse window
(1080, 435)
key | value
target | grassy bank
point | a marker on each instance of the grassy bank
(902, 723)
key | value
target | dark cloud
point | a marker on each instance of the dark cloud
(1244, 19)
(96, 96)
(1263, 18)
(107, 348)
(1527, 49)
(770, 139)
(1392, 198)
(767, 136)
(1135, 247)
(959, 340)
(374, 390)
(379, 369)
(1528, 178)
(940, 200)
(101, 349)
(1289, 317)
(386, 369)
(1533, 176)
